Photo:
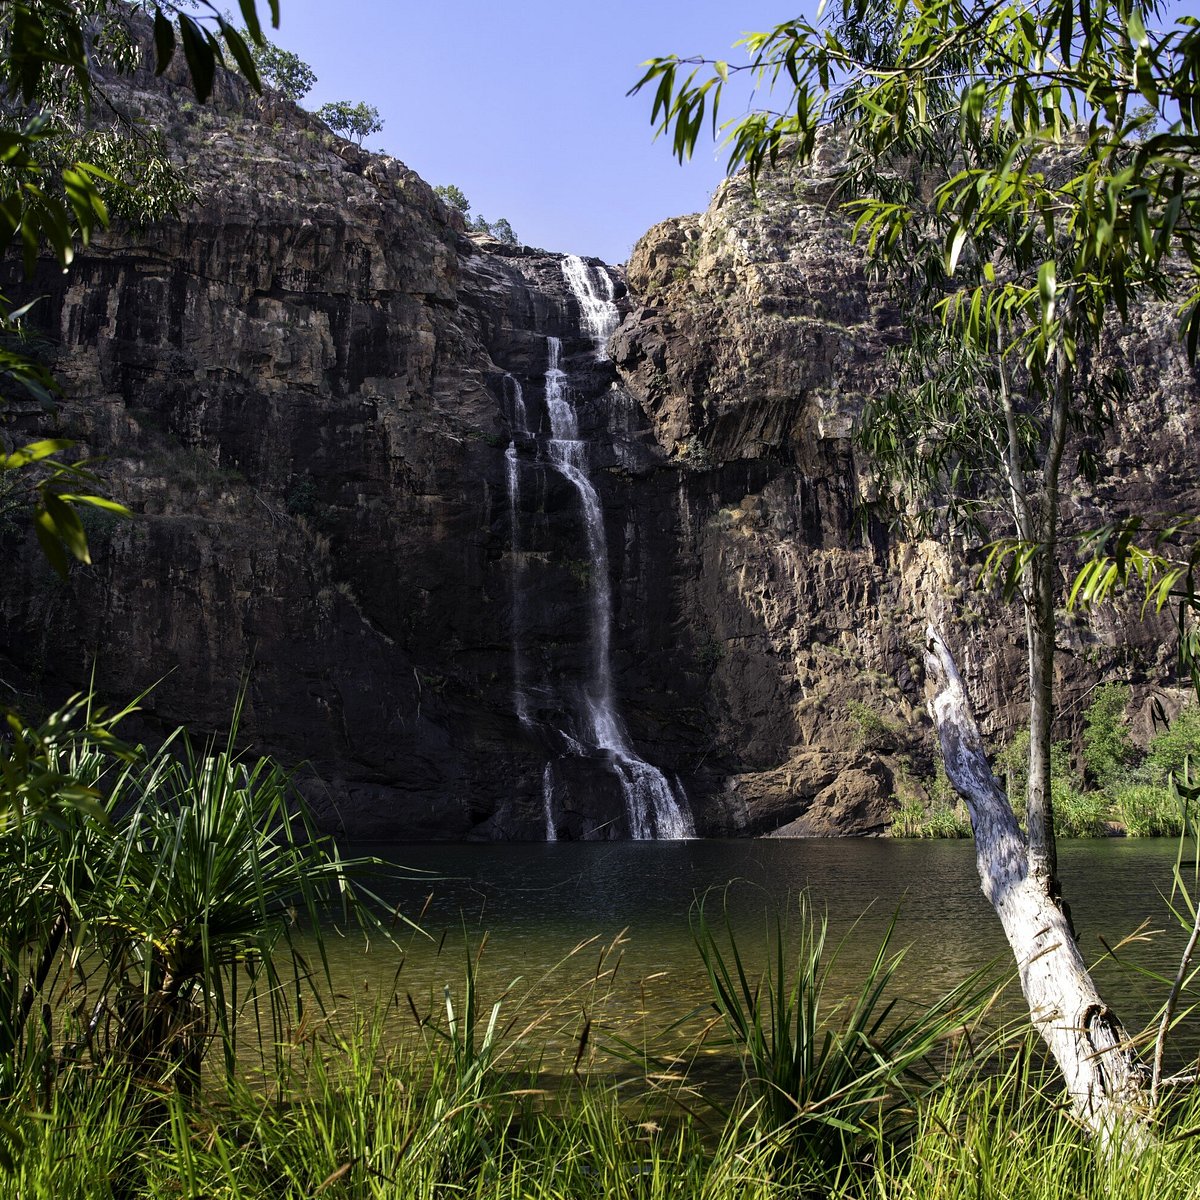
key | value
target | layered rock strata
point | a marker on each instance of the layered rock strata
(300, 387)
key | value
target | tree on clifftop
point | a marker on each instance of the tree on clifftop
(1016, 171)
(453, 196)
(354, 121)
(286, 72)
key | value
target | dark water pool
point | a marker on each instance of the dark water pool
(630, 903)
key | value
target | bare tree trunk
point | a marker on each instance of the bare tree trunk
(1102, 1073)
(1039, 629)
(1039, 806)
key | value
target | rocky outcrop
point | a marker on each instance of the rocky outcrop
(303, 389)
(754, 340)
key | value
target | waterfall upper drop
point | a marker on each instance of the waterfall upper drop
(593, 290)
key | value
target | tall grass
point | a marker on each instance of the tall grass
(822, 1069)
(361, 1119)
(937, 820)
(1148, 810)
(1078, 814)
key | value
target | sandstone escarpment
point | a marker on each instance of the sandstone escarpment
(304, 388)
(297, 388)
(755, 338)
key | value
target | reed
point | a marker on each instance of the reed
(363, 1119)
(821, 1071)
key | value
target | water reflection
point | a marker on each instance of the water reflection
(538, 901)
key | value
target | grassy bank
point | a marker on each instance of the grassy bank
(165, 1033)
(357, 1120)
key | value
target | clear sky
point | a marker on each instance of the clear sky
(522, 103)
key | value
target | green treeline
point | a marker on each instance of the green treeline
(1116, 789)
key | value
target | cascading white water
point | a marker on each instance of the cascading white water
(548, 803)
(593, 291)
(651, 807)
(515, 394)
(517, 426)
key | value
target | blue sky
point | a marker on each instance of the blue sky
(523, 105)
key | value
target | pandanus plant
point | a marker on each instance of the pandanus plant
(143, 918)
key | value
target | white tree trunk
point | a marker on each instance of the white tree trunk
(1103, 1074)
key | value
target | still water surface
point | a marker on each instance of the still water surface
(537, 902)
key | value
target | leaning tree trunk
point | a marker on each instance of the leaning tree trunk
(1103, 1074)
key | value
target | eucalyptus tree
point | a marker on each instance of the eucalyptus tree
(454, 196)
(284, 70)
(1017, 171)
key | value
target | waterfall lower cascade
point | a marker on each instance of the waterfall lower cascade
(519, 425)
(653, 808)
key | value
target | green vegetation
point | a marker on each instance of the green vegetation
(937, 819)
(501, 230)
(148, 900)
(453, 196)
(365, 1122)
(1078, 813)
(872, 730)
(161, 1033)
(355, 121)
(934, 811)
(822, 1073)
(281, 69)
(710, 651)
(841, 1100)
(1134, 793)
(1177, 745)
(1107, 746)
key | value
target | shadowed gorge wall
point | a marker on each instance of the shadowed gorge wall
(302, 389)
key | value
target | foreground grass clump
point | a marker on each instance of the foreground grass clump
(821, 1071)
(362, 1120)
(139, 920)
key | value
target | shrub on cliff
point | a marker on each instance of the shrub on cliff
(1107, 747)
(1177, 744)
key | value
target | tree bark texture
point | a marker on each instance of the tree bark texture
(1103, 1074)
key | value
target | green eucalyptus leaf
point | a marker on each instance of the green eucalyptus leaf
(164, 41)
(201, 61)
(65, 523)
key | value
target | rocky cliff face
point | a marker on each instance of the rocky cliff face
(755, 339)
(305, 389)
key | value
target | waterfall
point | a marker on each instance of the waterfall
(517, 426)
(593, 289)
(548, 802)
(651, 807)
(592, 730)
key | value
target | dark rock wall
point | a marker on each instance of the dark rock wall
(299, 387)
(754, 342)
